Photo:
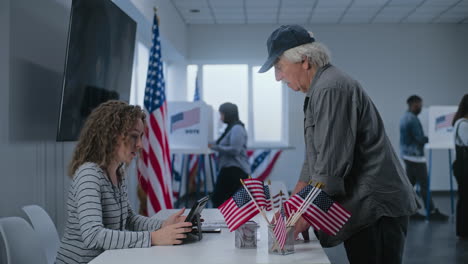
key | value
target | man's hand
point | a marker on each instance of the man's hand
(300, 226)
(171, 234)
(175, 218)
(299, 186)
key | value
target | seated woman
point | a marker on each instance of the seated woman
(233, 160)
(99, 214)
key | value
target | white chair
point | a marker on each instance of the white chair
(21, 242)
(45, 230)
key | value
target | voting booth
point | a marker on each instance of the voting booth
(190, 127)
(440, 133)
(440, 129)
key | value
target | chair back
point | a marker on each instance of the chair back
(45, 230)
(22, 245)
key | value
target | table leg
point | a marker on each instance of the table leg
(211, 170)
(428, 196)
(202, 157)
(186, 165)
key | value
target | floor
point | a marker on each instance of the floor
(426, 242)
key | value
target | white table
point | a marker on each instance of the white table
(216, 248)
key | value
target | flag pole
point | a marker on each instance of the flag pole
(305, 204)
(155, 9)
(255, 202)
(298, 209)
(293, 219)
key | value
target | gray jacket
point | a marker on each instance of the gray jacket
(348, 150)
(233, 149)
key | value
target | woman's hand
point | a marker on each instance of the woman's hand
(171, 234)
(175, 218)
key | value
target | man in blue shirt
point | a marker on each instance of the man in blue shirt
(412, 140)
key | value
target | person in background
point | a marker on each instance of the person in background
(412, 141)
(347, 150)
(232, 149)
(99, 214)
(460, 166)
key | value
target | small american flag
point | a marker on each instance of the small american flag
(185, 119)
(278, 199)
(280, 229)
(258, 191)
(294, 203)
(444, 121)
(238, 209)
(275, 201)
(322, 213)
(154, 166)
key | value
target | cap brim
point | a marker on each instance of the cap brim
(268, 64)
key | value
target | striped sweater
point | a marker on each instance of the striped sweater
(100, 218)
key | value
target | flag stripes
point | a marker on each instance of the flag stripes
(154, 165)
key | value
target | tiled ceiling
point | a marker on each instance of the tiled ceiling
(322, 11)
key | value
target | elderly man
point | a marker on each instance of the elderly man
(347, 149)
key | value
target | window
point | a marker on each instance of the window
(140, 71)
(267, 104)
(227, 83)
(259, 97)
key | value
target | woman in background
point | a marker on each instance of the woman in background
(460, 166)
(233, 160)
(99, 213)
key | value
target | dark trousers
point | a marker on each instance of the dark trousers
(227, 184)
(462, 206)
(417, 173)
(383, 242)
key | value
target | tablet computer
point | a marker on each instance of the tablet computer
(197, 209)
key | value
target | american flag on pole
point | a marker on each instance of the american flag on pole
(186, 180)
(280, 229)
(262, 162)
(444, 121)
(193, 159)
(238, 209)
(275, 201)
(154, 166)
(258, 191)
(278, 199)
(322, 213)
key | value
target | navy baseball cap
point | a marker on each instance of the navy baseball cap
(284, 38)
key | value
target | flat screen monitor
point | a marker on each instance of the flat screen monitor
(99, 61)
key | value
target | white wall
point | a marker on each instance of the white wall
(391, 62)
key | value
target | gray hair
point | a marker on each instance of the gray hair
(317, 53)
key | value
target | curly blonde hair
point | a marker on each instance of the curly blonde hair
(99, 135)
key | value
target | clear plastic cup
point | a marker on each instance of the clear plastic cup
(273, 245)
